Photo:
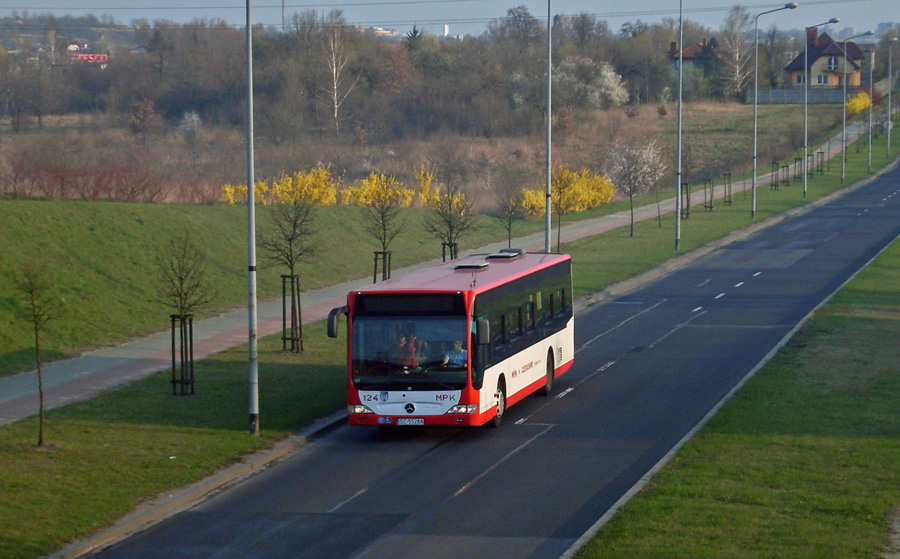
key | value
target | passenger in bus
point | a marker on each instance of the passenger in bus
(456, 355)
(404, 351)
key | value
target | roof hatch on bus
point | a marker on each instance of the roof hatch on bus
(476, 265)
(506, 254)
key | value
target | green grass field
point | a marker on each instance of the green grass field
(106, 455)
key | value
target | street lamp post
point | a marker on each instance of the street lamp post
(806, 103)
(871, 102)
(251, 242)
(788, 6)
(890, 115)
(678, 201)
(548, 204)
(844, 104)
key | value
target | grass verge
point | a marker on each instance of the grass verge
(108, 454)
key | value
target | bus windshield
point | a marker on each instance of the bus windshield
(409, 353)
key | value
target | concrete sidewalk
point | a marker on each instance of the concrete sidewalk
(80, 378)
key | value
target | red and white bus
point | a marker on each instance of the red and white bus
(458, 343)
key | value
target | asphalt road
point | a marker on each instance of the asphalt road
(650, 365)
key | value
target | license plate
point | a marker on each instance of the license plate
(410, 421)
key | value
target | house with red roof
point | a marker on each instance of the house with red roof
(829, 61)
(689, 54)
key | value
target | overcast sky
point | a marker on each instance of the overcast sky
(471, 16)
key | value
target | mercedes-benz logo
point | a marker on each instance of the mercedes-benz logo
(410, 407)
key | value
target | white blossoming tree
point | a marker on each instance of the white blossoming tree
(581, 82)
(635, 166)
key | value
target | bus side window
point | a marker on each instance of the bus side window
(521, 322)
(515, 319)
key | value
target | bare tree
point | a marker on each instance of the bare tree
(384, 222)
(451, 215)
(53, 39)
(291, 240)
(382, 198)
(21, 90)
(305, 30)
(42, 306)
(18, 171)
(144, 120)
(735, 52)
(190, 126)
(451, 208)
(182, 281)
(160, 45)
(338, 87)
(182, 277)
(507, 189)
(635, 166)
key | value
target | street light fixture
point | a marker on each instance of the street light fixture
(890, 115)
(844, 103)
(788, 6)
(806, 103)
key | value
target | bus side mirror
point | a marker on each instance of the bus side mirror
(333, 318)
(482, 331)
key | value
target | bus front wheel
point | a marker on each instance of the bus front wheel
(500, 397)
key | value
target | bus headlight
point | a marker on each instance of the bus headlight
(358, 408)
(464, 408)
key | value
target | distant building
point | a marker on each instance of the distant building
(828, 63)
(379, 31)
(885, 27)
(691, 54)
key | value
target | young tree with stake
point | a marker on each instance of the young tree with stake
(41, 306)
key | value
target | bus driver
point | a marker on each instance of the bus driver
(456, 356)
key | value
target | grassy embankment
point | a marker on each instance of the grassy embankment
(109, 453)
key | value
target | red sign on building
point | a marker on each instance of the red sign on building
(99, 58)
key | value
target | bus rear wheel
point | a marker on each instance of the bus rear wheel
(547, 389)
(500, 397)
